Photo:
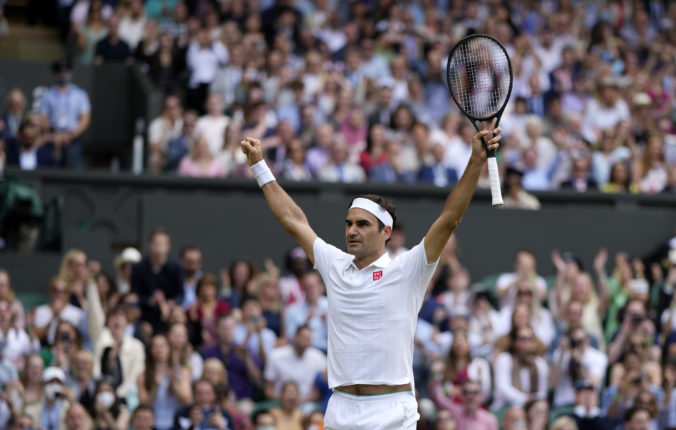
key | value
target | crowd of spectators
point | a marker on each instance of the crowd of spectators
(163, 344)
(355, 91)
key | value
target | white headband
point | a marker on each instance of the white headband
(373, 208)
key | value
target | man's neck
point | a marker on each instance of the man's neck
(368, 260)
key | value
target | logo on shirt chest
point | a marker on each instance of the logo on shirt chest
(377, 275)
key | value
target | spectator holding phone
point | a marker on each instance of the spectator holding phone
(205, 413)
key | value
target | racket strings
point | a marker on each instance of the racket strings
(479, 77)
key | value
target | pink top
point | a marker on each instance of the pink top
(189, 167)
(480, 420)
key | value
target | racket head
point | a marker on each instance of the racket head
(479, 77)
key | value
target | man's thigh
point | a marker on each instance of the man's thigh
(382, 412)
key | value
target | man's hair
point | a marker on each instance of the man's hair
(383, 203)
(301, 328)
(187, 249)
(144, 407)
(158, 230)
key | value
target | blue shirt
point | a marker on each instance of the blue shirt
(50, 415)
(296, 316)
(63, 109)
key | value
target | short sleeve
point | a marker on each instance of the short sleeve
(414, 261)
(324, 255)
(85, 104)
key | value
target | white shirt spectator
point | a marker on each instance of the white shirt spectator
(17, 345)
(507, 280)
(506, 393)
(253, 344)
(204, 63)
(598, 117)
(213, 130)
(285, 365)
(131, 30)
(594, 363)
(44, 317)
(78, 15)
(160, 131)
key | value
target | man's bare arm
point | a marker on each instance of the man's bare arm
(458, 201)
(282, 206)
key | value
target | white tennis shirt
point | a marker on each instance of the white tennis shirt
(372, 314)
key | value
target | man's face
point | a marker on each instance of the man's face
(515, 418)
(192, 261)
(159, 246)
(362, 235)
(312, 285)
(117, 324)
(302, 341)
(76, 418)
(143, 420)
(204, 394)
(225, 330)
(471, 395)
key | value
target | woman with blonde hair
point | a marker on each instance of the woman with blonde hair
(74, 270)
(15, 306)
(650, 171)
(564, 423)
(200, 162)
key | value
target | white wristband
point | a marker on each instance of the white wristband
(262, 173)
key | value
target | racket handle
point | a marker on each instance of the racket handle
(494, 177)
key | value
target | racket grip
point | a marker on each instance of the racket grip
(494, 177)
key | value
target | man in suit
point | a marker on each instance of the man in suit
(580, 177)
(438, 173)
(30, 150)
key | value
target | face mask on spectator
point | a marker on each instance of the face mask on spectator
(106, 398)
(52, 391)
(265, 428)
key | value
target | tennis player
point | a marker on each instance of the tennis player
(373, 301)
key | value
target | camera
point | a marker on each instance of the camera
(65, 337)
(574, 343)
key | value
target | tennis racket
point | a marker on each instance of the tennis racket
(479, 77)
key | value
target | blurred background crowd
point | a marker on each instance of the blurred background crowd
(353, 91)
(163, 344)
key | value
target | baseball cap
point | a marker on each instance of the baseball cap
(128, 255)
(53, 373)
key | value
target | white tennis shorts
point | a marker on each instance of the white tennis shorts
(394, 411)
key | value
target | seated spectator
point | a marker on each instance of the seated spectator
(514, 418)
(637, 418)
(90, 32)
(520, 373)
(374, 154)
(15, 342)
(244, 367)
(201, 162)
(15, 306)
(143, 418)
(311, 312)
(288, 416)
(610, 151)
(619, 180)
(50, 409)
(212, 125)
(650, 171)
(267, 290)
(207, 309)
(81, 382)
(587, 414)
(182, 352)
(123, 265)
(515, 196)
(48, 316)
(117, 354)
(77, 418)
(580, 177)
(110, 411)
(179, 147)
(540, 318)
(205, 411)
(67, 343)
(112, 49)
(339, 168)
(167, 388)
(191, 261)
(457, 367)
(482, 329)
(298, 362)
(574, 360)
(165, 128)
(67, 125)
(318, 154)
(13, 113)
(605, 112)
(31, 382)
(391, 170)
(252, 332)
(469, 413)
(294, 167)
(437, 173)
